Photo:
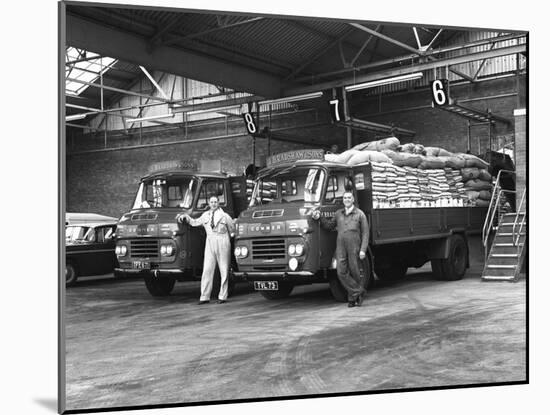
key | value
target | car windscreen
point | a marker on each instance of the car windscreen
(289, 185)
(78, 233)
(165, 193)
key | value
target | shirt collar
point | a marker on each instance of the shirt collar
(350, 210)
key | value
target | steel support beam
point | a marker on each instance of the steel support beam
(364, 46)
(408, 57)
(455, 60)
(108, 41)
(387, 38)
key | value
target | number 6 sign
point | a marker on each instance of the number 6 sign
(439, 92)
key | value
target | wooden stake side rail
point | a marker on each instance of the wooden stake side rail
(412, 224)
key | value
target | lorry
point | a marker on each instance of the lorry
(279, 244)
(150, 242)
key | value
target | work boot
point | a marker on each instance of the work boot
(201, 302)
(221, 301)
(359, 301)
(351, 304)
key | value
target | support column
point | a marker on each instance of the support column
(520, 152)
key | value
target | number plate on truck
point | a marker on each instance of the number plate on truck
(266, 285)
(141, 265)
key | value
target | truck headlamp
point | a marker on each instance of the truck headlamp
(299, 249)
(241, 252)
(167, 250)
(121, 250)
(292, 250)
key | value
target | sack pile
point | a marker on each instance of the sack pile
(411, 175)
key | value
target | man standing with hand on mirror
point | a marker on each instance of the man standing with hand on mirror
(217, 249)
(351, 246)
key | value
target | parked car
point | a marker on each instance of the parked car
(72, 218)
(90, 250)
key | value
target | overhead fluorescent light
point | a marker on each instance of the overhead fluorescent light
(218, 109)
(75, 117)
(386, 81)
(151, 118)
(292, 99)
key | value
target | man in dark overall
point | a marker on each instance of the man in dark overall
(351, 247)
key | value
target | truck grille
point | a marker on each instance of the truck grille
(268, 249)
(144, 248)
(268, 213)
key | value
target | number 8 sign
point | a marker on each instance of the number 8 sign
(439, 92)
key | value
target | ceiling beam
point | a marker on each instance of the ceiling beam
(455, 60)
(408, 57)
(128, 47)
(386, 38)
(364, 46)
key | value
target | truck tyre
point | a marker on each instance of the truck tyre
(396, 271)
(452, 268)
(339, 292)
(159, 287)
(285, 288)
(71, 275)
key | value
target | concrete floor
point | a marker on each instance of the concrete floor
(126, 348)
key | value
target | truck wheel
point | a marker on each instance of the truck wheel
(285, 288)
(70, 274)
(339, 292)
(159, 287)
(396, 271)
(454, 267)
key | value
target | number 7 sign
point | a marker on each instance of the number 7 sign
(439, 89)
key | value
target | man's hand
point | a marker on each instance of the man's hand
(362, 255)
(182, 216)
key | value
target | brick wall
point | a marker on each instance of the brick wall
(106, 182)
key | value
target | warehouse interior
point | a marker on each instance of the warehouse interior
(147, 85)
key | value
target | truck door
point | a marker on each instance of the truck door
(362, 182)
(237, 185)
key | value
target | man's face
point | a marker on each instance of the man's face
(348, 200)
(213, 203)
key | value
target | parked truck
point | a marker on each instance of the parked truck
(279, 244)
(149, 240)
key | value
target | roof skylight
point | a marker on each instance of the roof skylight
(84, 66)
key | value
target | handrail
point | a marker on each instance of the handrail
(493, 206)
(516, 239)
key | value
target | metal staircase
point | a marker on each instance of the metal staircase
(508, 231)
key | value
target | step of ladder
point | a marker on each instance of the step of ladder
(507, 244)
(497, 278)
(509, 234)
(503, 255)
(501, 266)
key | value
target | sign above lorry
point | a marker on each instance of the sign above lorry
(295, 155)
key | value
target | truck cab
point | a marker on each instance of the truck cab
(150, 241)
(278, 244)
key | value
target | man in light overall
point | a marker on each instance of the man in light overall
(217, 249)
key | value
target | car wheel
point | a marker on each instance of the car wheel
(454, 267)
(70, 274)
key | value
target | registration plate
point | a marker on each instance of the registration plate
(266, 285)
(141, 265)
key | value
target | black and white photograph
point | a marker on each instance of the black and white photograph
(263, 207)
(269, 207)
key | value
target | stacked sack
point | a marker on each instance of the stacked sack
(411, 175)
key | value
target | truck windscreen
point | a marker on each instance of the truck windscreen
(289, 185)
(166, 193)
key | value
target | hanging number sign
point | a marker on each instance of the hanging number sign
(440, 89)
(249, 122)
(336, 110)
